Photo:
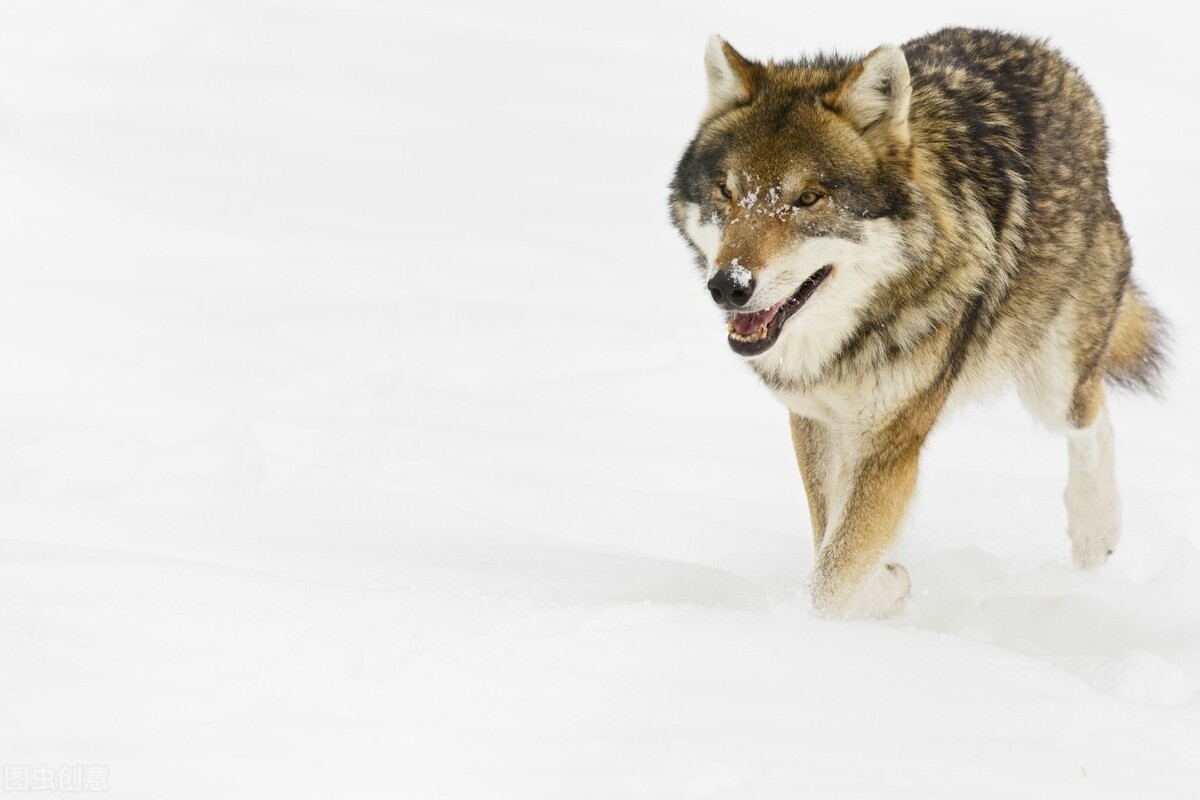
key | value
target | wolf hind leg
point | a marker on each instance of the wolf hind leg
(1078, 409)
(1093, 503)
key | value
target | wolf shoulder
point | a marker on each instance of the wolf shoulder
(1016, 90)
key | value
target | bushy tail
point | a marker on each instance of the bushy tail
(1137, 348)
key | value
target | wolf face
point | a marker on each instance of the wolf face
(791, 194)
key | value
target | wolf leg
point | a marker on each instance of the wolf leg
(815, 459)
(1093, 505)
(1074, 405)
(848, 580)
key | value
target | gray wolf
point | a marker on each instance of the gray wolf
(890, 235)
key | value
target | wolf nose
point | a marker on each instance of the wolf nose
(731, 288)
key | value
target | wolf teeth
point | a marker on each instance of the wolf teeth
(757, 336)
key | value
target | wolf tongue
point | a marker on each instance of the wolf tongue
(746, 324)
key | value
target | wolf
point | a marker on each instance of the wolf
(891, 235)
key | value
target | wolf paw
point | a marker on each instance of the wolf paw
(886, 594)
(1090, 550)
(1093, 526)
(882, 595)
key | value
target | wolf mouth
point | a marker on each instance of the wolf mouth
(753, 334)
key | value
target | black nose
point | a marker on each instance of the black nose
(731, 288)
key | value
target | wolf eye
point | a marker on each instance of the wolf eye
(724, 190)
(807, 198)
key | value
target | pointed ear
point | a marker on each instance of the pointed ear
(874, 97)
(731, 78)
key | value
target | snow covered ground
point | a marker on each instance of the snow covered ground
(364, 431)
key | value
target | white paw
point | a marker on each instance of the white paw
(885, 594)
(1092, 548)
(880, 596)
(1093, 525)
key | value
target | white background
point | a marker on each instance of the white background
(365, 430)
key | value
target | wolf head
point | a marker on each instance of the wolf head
(793, 194)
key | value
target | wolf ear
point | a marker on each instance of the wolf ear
(731, 78)
(874, 97)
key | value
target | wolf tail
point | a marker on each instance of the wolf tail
(1137, 349)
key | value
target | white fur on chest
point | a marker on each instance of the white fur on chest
(819, 330)
(861, 402)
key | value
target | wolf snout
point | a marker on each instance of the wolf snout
(731, 287)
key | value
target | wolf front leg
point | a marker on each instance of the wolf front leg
(873, 488)
(815, 459)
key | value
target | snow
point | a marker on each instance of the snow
(739, 274)
(338, 458)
